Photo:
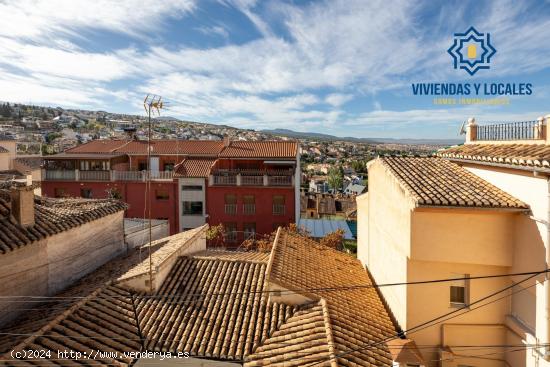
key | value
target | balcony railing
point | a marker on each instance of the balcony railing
(231, 209)
(61, 175)
(249, 209)
(524, 130)
(129, 175)
(225, 180)
(278, 209)
(95, 175)
(78, 175)
(279, 180)
(252, 180)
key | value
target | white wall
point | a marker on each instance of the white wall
(192, 221)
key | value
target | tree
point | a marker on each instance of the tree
(334, 240)
(335, 178)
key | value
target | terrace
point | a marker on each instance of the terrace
(521, 132)
(252, 177)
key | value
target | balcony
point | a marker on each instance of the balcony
(521, 131)
(280, 178)
(95, 175)
(78, 175)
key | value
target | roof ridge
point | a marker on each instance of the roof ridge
(328, 329)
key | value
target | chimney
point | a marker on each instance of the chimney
(226, 141)
(22, 205)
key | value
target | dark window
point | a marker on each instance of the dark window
(142, 166)
(192, 207)
(86, 193)
(162, 195)
(230, 231)
(458, 294)
(191, 188)
(249, 230)
(168, 166)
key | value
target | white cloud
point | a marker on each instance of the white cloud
(33, 19)
(216, 30)
(338, 99)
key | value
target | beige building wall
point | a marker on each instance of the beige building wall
(384, 237)
(48, 266)
(528, 314)
(4, 161)
(399, 242)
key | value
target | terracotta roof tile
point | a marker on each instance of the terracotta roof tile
(261, 149)
(357, 316)
(184, 147)
(51, 216)
(531, 155)
(213, 304)
(194, 167)
(439, 182)
(4, 150)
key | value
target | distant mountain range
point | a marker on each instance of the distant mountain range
(327, 137)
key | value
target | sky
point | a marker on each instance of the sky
(341, 67)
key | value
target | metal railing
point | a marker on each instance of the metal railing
(279, 180)
(225, 180)
(129, 175)
(94, 175)
(231, 209)
(162, 175)
(523, 130)
(252, 180)
(278, 209)
(249, 209)
(65, 175)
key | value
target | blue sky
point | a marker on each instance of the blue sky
(337, 67)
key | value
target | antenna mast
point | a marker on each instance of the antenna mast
(150, 104)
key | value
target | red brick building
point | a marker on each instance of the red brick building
(249, 186)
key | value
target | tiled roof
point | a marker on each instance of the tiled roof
(194, 167)
(356, 316)
(31, 162)
(98, 146)
(214, 305)
(51, 216)
(261, 149)
(187, 147)
(532, 155)
(4, 150)
(205, 148)
(439, 182)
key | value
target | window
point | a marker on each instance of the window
(86, 193)
(249, 230)
(59, 193)
(230, 204)
(249, 205)
(169, 166)
(230, 232)
(459, 290)
(192, 208)
(142, 166)
(162, 195)
(278, 205)
(191, 188)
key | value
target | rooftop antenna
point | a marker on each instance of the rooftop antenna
(462, 129)
(150, 103)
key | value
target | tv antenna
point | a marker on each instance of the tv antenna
(462, 129)
(151, 103)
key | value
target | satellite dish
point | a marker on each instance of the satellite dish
(462, 129)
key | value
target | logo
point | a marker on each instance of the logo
(471, 51)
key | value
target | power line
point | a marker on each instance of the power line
(295, 290)
(435, 321)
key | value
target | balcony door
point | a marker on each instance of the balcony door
(155, 165)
